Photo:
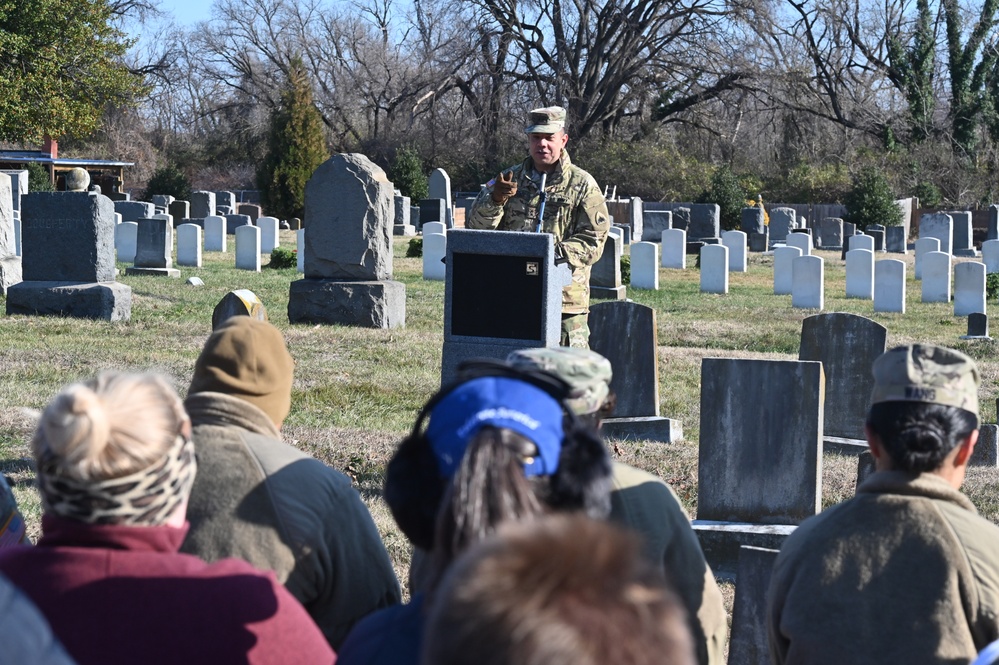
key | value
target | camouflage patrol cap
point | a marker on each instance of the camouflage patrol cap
(546, 121)
(588, 372)
(926, 373)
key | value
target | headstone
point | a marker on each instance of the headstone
(808, 282)
(18, 187)
(645, 266)
(617, 232)
(736, 243)
(714, 269)
(435, 227)
(440, 188)
(133, 211)
(434, 251)
(248, 248)
(889, 286)
(993, 230)
(802, 241)
(224, 210)
(751, 220)
(195, 281)
(860, 274)
(654, 223)
(990, 255)
(963, 240)
(250, 209)
(300, 250)
(782, 220)
(969, 288)
(625, 233)
(295, 224)
(940, 226)
(978, 326)
(125, 235)
(784, 258)
(831, 233)
(674, 243)
(180, 209)
(10, 263)
(269, 235)
(215, 233)
(936, 277)
(402, 225)
(625, 333)
(636, 212)
(67, 261)
(161, 200)
(924, 245)
(154, 249)
(859, 241)
(849, 229)
(895, 240)
(866, 466)
(847, 346)
(241, 302)
(749, 644)
(348, 248)
(189, 245)
(758, 464)
(227, 199)
(232, 222)
(605, 275)
(879, 238)
(432, 210)
(760, 242)
(202, 204)
(705, 221)
(986, 452)
(681, 218)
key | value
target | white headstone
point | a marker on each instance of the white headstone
(802, 241)
(783, 268)
(862, 242)
(808, 277)
(17, 234)
(434, 227)
(936, 277)
(248, 248)
(990, 255)
(117, 218)
(969, 288)
(434, 251)
(617, 232)
(940, 226)
(736, 243)
(674, 249)
(645, 265)
(860, 274)
(269, 234)
(125, 235)
(889, 286)
(215, 233)
(162, 215)
(924, 245)
(189, 245)
(300, 246)
(714, 269)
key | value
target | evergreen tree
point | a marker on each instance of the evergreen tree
(168, 180)
(870, 200)
(296, 147)
(727, 192)
(408, 176)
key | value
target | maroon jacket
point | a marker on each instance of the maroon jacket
(120, 594)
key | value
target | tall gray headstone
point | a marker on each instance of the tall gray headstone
(636, 212)
(681, 218)
(889, 286)
(10, 262)
(831, 233)
(154, 249)
(432, 210)
(348, 248)
(895, 240)
(963, 245)
(18, 187)
(924, 246)
(705, 221)
(654, 223)
(133, 211)
(605, 275)
(749, 644)
(940, 226)
(232, 222)
(969, 288)
(180, 210)
(250, 209)
(782, 221)
(751, 220)
(847, 346)
(202, 204)
(993, 231)
(227, 199)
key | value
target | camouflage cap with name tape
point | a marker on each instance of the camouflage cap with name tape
(926, 373)
(588, 372)
(548, 120)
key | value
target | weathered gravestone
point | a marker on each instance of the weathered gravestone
(877, 232)
(10, 262)
(625, 232)
(233, 222)
(248, 248)
(402, 211)
(704, 221)
(963, 239)
(993, 231)
(986, 452)
(67, 259)
(654, 223)
(681, 219)
(969, 288)
(432, 210)
(866, 466)
(625, 334)
(759, 462)
(241, 302)
(502, 292)
(202, 204)
(18, 187)
(749, 644)
(180, 210)
(847, 346)
(751, 220)
(226, 199)
(133, 211)
(189, 245)
(889, 286)
(645, 266)
(760, 242)
(605, 275)
(636, 219)
(895, 240)
(978, 326)
(161, 200)
(348, 248)
(250, 209)
(940, 226)
(782, 221)
(439, 187)
(154, 249)
(831, 233)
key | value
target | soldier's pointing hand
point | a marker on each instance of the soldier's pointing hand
(504, 188)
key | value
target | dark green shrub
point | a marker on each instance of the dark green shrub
(992, 286)
(168, 180)
(727, 192)
(38, 178)
(408, 176)
(625, 269)
(929, 195)
(283, 258)
(415, 248)
(870, 200)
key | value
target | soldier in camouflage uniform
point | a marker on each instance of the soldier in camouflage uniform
(575, 212)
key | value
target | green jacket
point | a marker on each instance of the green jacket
(575, 213)
(905, 572)
(263, 501)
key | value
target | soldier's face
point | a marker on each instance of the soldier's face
(546, 149)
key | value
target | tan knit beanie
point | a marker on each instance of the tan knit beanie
(248, 359)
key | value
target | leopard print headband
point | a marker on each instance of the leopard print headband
(144, 498)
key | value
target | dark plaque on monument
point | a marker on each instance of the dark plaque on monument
(497, 296)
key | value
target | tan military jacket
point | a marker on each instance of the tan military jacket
(905, 572)
(575, 213)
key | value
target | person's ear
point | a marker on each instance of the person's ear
(874, 443)
(965, 449)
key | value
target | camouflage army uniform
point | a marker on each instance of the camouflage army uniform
(575, 213)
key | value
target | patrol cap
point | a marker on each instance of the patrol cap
(926, 373)
(548, 120)
(587, 372)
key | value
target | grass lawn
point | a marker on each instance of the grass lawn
(357, 391)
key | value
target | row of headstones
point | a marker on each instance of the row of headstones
(202, 204)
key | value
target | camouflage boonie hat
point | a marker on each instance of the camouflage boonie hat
(926, 373)
(546, 121)
(588, 372)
